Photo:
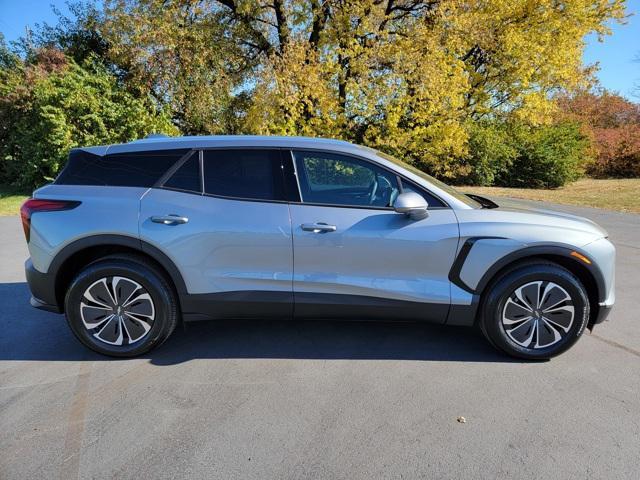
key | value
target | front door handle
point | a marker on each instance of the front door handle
(319, 227)
(169, 219)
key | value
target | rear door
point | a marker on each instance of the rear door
(223, 219)
(354, 256)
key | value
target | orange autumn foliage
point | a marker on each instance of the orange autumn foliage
(613, 123)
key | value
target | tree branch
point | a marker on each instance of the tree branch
(282, 26)
(247, 21)
(321, 12)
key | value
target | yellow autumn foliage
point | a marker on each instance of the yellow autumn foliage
(405, 76)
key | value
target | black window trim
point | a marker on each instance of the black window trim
(288, 158)
(289, 168)
(357, 157)
(202, 192)
(201, 163)
(422, 189)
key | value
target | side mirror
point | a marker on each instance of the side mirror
(412, 205)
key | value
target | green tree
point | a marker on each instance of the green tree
(53, 104)
(183, 54)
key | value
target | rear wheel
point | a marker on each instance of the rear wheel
(535, 311)
(121, 306)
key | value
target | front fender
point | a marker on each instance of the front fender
(481, 258)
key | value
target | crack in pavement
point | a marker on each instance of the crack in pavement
(626, 245)
(75, 424)
(616, 345)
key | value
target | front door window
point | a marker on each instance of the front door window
(330, 179)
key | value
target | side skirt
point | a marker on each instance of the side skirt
(303, 305)
(247, 304)
(464, 315)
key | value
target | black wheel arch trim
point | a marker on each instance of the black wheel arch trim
(520, 254)
(109, 240)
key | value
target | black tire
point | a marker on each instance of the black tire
(504, 321)
(134, 270)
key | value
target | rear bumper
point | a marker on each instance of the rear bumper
(42, 288)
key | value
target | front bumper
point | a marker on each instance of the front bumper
(43, 289)
(603, 313)
(603, 254)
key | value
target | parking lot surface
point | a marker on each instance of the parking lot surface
(258, 400)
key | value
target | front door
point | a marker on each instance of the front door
(354, 256)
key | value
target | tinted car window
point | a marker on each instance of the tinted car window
(432, 201)
(134, 169)
(333, 179)
(187, 177)
(252, 174)
(443, 186)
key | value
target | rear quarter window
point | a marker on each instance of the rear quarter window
(131, 169)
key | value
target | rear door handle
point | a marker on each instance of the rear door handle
(319, 227)
(169, 219)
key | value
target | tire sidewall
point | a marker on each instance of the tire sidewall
(508, 284)
(122, 268)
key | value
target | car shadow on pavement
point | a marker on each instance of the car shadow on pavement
(31, 334)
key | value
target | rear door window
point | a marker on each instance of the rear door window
(187, 176)
(244, 174)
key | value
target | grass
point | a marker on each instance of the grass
(10, 200)
(622, 195)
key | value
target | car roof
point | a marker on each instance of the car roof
(161, 142)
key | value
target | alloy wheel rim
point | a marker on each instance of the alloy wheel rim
(117, 311)
(538, 314)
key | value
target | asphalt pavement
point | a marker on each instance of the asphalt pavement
(324, 399)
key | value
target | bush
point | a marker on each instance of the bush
(547, 156)
(491, 152)
(52, 105)
(617, 152)
(518, 155)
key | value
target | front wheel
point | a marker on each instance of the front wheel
(121, 306)
(535, 311)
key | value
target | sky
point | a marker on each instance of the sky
(615, 55)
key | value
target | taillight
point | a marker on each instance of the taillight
(35, 205)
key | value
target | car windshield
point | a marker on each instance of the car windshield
(442, 186)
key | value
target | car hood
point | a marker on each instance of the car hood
(527, 223)
(569, 220)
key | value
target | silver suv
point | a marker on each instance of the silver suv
(131, 238)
